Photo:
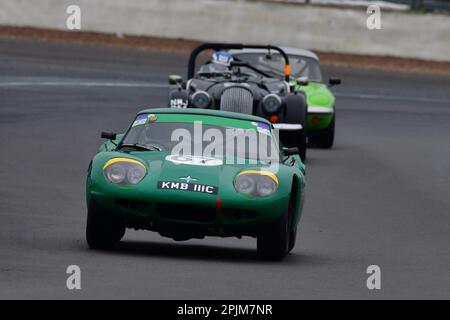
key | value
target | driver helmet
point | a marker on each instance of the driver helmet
(223, 58)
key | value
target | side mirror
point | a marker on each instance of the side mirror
(290, 151)
(303, 81)
(334, 81)
(175, 80)
(109, 135)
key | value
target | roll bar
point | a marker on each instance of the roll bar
(234, 46)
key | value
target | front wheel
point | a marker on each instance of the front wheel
(292, 239)
(274, 242)
(301, 144)
(103, 229)
(296, 113)
(297, 139)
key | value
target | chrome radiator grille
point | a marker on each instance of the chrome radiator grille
(236, 99)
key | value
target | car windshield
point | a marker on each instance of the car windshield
(274, 64)
(209, 136)
(215, 70)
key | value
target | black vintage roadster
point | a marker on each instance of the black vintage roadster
(240, 87)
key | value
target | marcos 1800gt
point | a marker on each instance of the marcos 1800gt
(184, 173)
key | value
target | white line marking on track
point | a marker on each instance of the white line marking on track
(391, 98)
(81, 84)
(36, 82)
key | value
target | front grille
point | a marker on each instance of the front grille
(237, 99)
(186, 212)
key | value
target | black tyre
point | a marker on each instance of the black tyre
(297, 139)
(301, 144)
(296, 113)
(274, 242)
(293, 229)
(323, 139)
(103, 229)
(292, 239)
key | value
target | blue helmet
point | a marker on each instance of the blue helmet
(222, 57)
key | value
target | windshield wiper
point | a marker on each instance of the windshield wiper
(140, 147)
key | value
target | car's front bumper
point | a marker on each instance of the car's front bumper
(288, 126)
(200, 214)
(318, 110)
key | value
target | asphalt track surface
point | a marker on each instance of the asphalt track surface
(381, 196)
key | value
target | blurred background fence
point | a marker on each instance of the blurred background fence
(430, 4)
(392, 4)
(342, 29)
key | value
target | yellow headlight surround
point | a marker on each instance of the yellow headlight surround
(263, 173)
(115, 160)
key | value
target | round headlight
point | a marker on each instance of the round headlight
(201, 99)
(266, 186)
(124, 171)
(116, 173)
(135, 174)
(245, 184)
(272, 103)
(256, 183)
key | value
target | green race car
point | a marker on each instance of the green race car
(191, 173)
(305, 76)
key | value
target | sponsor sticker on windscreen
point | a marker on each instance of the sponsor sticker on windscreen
(263, 128)
(183, 186)
(140, 120)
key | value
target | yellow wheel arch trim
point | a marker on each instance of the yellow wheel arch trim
(263, 173)
(115, 160)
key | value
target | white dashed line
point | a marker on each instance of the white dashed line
(37, 82)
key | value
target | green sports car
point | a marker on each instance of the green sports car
(305, 76)
(191, 173)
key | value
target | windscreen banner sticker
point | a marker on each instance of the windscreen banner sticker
(140, 120)
(152, 118)
(183, 186)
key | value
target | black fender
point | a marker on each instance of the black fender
(178, 98)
